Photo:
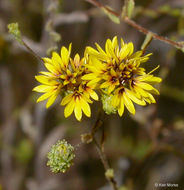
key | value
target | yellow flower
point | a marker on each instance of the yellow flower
(111, 80)
(50, 87)
(119, 72)
(78, 101)
(64, 76)
(51, 81)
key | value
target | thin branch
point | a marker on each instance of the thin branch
(101, 152)
(31, 51)
(155, 36)
(105, 163)
(137, 26)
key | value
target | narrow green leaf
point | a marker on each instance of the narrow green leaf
(181, 25)
(114, 18)
(128, 8)
(146, 41)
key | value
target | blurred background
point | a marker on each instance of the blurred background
(144, 149)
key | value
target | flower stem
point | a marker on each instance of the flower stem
(101, 152)
(105, 163)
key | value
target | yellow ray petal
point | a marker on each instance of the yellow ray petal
(131, 48)
(85, 107)
(110, 49)
(51, 68)
(100, 49)
(147, 100)
(105, 84)
(47, 74)
(77, 60)
(148, 87)
(141, 91)
(124, 52)
(133, 97)
(111, 88)
(51, 100)
(93, 95)
(65, 55)
(46, 80)
(115, 100)
(43, 88)
(94, 81)
(66, 99)
(152, 99)
(136, 54)
(122, 42)
(92, 51)
(89, 76)
(57, 62)
(149, 78)
(69, 108)
(44, 96)
(77, 110)
(47, 60)
(128, 103)
(115, 42)
(121, 107)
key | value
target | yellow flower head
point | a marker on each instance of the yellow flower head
(64, 77)
(119, 74)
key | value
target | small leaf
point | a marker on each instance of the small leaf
(181, 25)
(56, 36)
(114, 18)
(86, 138)
(164, 8)
(147, 41)
(128, 8)
(109, 174)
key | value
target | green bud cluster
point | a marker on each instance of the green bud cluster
(60, 157)
(107, 104)
(13, 29)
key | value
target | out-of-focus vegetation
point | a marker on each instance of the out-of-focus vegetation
(143, 149)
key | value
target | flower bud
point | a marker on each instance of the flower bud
(107, 104)
(109, 174)
(13, 28)
(60, 157)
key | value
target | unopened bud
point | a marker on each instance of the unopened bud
(13, 28)
(60, 157)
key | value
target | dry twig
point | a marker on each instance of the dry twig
(140, 28)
